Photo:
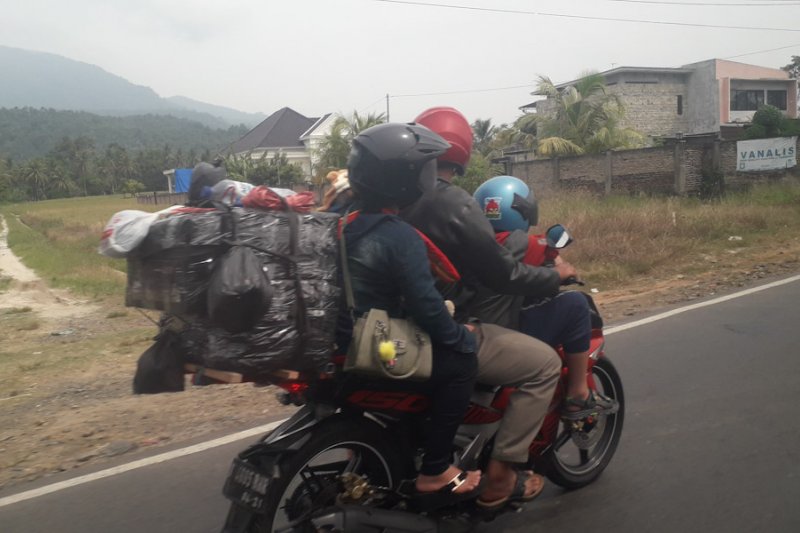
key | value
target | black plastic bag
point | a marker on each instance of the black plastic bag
(204, 175)
(160, 367)
(239, 292)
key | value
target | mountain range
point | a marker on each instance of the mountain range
(43, 80)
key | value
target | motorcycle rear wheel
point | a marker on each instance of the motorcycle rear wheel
(310, 475)
(576, 460)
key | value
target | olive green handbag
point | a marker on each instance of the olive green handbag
(384, 347)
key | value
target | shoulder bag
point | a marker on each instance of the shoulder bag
(384, 347)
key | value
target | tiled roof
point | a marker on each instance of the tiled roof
(282, 129)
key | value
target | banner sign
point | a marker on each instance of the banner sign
(766, 154)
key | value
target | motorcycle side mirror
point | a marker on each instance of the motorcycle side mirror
(558, 236)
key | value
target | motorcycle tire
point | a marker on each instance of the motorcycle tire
(590, 462)
(305, 477)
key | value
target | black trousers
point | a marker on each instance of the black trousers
(450, 388)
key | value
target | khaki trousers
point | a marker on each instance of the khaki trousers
(507, 357)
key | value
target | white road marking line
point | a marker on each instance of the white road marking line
(662, 316)
(147, 461)
(203, 446)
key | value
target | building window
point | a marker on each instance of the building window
(748, 100)
(777, 98)
(680, 104)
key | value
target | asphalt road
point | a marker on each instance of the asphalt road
(710, 443)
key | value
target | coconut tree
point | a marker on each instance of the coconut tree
(483, 133)
(335, 146)
(586, 119)
(34, 175)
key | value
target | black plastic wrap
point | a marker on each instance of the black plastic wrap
(293, 333)
(174, 280)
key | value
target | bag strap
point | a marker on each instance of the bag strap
(348, 284)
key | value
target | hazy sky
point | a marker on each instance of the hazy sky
(320, 56)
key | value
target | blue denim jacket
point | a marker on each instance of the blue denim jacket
(389, 269)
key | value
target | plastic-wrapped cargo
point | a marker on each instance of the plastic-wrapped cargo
(173, 265)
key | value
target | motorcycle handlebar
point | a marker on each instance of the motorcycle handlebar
(572, 280)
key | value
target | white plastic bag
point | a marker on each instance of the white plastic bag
(124, 231)
(230, 192)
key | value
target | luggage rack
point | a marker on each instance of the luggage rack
(223, 376)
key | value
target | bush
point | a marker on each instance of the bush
(769, 121)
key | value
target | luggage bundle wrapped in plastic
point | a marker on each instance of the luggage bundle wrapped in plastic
(199, 267)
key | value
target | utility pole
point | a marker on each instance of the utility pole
(387, 107)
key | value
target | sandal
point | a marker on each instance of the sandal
(517, 493)
(446, 495)
(595, 404)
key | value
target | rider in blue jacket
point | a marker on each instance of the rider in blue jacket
(390, 270)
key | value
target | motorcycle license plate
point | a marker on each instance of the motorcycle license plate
(246, 486)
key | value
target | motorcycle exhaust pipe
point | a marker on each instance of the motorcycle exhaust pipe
(347, 518)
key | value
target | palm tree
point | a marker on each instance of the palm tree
(335, 146)
(356, 123)
(35, 176)
(586, 119)
(483, 133)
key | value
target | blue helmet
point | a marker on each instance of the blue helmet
(508, 203)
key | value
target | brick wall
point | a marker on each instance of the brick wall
(648, 170)
(652, 109)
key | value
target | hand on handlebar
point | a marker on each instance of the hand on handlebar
(567, 273)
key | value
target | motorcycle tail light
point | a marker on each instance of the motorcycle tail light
(294, 387)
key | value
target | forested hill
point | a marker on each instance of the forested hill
(26, 133)
(43, 80)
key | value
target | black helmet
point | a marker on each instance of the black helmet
(389, 164)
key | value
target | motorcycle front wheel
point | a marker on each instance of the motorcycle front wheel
(580, 454)
(310, 477)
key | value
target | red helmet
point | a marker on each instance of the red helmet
(454, 128)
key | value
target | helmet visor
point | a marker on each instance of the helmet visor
(529, 209)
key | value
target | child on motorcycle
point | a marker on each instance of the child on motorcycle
(563, 319)
(390, 270)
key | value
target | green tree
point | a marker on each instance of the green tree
(275, 171)
(479, 169)
(333, 149)
(519, 136)
(483, 133)
(769, 121)
(34, 174)
(131, 187)
(335, 146)
(586, 119)
(793, 68)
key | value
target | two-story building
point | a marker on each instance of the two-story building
(708, 97)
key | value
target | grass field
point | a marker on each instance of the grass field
(58, 239)
(616, 238)
(622, 237)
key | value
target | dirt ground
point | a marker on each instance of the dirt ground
(65, 387)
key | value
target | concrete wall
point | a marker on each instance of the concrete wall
(674, 169)
(703, 95)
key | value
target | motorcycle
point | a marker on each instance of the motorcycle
(347, 459)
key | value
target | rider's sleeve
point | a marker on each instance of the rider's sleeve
(492, 264)
(411, 270)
